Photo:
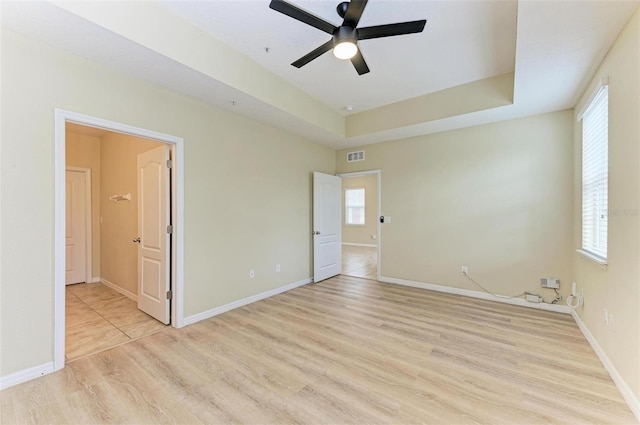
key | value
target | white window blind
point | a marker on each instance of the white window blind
(595, 174)
(354, 204)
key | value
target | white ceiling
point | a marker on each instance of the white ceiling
(463, 41)
(553, 46)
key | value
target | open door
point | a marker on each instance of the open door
(327, 226)
(154, 234)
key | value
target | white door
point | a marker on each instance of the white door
(327, 226)
(76, 227)
(153, 246)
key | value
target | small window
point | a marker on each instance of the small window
(354, 204)
(595, 174)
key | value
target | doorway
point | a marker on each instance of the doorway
(108, 309)
(360, 224)
(96, 296)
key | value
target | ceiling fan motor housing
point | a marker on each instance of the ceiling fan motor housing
(345, 33)
(342, 8)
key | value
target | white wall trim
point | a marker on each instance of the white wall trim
(598, 261)
(59, 220)
(370, 245)
(245, 301)
(95, 279)
(627, 394)
(25, 375)
(476, 294)
(603, 82)
(116, 288)
(61, 117)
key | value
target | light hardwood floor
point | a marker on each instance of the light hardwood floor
(345, 350)
(99, 318)
(360, 261)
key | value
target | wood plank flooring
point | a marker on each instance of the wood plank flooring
(360, 261)
(99, 318)
(342, 351)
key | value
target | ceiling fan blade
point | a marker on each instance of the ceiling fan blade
(302, 15)
(390, 30)
(313, 54)
(359, 63)
(354, 12)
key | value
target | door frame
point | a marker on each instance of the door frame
(88, 240)
(61, 117)
(378, 173)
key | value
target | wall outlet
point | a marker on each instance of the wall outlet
(277, 268)
(612, 323)
(464, 270)
(550, 282)
(252, 274)
(373, 237)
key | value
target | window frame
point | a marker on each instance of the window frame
(347, 206)
(595, 176)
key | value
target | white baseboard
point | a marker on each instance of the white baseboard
(629, 396)
(240, 303)
(123, 291)
(94, 279)
(25, 375)
(360, 244)
(476, 294)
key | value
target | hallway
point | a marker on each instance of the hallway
(360, 261)
(99, 318)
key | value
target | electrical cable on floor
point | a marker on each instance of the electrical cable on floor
(556, 299)
(488, 291)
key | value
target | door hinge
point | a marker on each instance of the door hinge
(169, 295)
(169, 163)
(170, 229)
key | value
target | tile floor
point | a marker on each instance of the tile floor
(99, 318)
(360, 261)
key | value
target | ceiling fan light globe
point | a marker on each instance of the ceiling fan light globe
(345, 50)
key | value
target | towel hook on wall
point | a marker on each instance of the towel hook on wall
(116, 198)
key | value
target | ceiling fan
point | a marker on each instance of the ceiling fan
(344, 41)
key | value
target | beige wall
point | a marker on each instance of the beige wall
(362, 234)
(496, 198)
(502, 198)
(247, 189)
(84, 151)
(616, 288)
(119, 257)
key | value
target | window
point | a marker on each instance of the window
(354, 204)
(595, 175)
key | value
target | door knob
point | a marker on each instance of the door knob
(137, 240)
(315, 233)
